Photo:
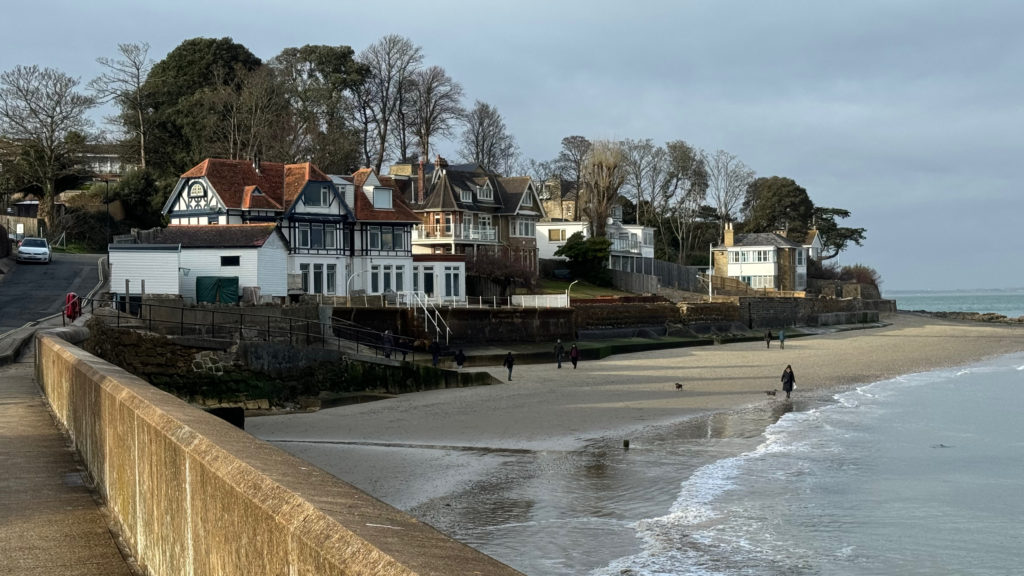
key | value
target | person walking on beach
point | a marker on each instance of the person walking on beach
(574, 355)
(389, 343)
(509, 363)
(768, 338)
(782, 339)
(559, 352)
(460, 358)
(788, 380)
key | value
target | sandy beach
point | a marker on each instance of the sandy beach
(413, 448)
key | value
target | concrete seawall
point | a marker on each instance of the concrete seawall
(194, 495)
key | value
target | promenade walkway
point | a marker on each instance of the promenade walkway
(50, 521)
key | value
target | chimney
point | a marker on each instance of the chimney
(420, 189)
(728, 235)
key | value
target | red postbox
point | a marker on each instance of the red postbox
(72, 306)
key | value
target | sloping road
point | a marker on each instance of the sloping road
(32, 291)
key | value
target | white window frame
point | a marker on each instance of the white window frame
(303, 235)
(382, 199)
(373, 240)
(467, 196)
(485, 192)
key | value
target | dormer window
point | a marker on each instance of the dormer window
(316, 198)
(528, 199)
(382, 198)
(617, 213)
(467, 196)
(485, 193)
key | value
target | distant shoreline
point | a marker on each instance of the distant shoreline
(990, 317)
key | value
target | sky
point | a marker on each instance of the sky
(907, 113)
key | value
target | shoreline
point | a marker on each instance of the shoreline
(421, 446)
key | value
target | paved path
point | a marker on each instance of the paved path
(50, 522)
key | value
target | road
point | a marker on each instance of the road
(32, 291)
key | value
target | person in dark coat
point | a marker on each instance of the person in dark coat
(768, 338)
(460, 358)
(435, 352)
(509, 363)
(788, 380)
(559, 352)
(574, 355)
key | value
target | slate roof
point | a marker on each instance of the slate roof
(220, 236)
(761, 239)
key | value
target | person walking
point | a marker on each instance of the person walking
(460, 358)
(768, 338)
(559, 352)
(389, 343)
(788, 380)
(782, 339)
(509, 363)
(574, 355)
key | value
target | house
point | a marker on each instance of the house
(813, 244)
(558, 197)
(465, 210)
(761, 260)
(174, 260)
(632, 248)
(219, 191)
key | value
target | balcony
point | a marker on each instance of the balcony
(625, 245)
(465, 232)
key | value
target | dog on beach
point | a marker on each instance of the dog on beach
(679, 386)
(771, 392)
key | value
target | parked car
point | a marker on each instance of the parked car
(34, 250)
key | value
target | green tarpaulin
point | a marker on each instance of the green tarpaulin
(213, 289)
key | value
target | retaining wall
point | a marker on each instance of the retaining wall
(192, 494)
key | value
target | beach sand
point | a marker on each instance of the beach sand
(421, 446)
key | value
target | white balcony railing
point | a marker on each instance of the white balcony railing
(451, 232)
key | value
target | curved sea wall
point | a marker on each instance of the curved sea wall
(192, 494)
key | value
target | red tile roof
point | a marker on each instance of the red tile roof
(364, 209)
(233, 180)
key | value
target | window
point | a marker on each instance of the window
(399, 239)
(799, 256)
(374, 279)
(304, 271)
(522, 227)
(467, 195)
(399, 278)
(415, 278)
(332, 278)
(303, 235)
(556, 235)
(485, 192)
(387, 240)
(648, 237)
(528, 199)
(331, 236)
(230, 260)
(374, 242)
(428, 280)
(316, 198)
(388, 268)
(617, 213)
(451, 281)
(318, 278)
(382, 198)
(316, 236)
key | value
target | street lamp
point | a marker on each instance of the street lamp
(348, 284)
(568, 303)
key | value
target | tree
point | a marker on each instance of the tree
(436, 104)
(603, 176)
(318, 82)
(861, 274)
(178, 87)
(43, 114)
(835, 238)
(588, 258)
(541, 173)
(646, 170)
(244, 120)
(728, 179)
(485, 139)
(777, 203)
(684, 194)
(391, 62)
(570, 158)
(123, 84)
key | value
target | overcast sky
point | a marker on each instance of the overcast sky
(908, 113)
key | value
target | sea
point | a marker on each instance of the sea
(921, 474)
(1008, 302)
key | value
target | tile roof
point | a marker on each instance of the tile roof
(233, 180)
(364, 209)
(254, 199)
(220, 236)
(761, 239)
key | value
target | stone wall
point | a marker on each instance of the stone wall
(192, 494)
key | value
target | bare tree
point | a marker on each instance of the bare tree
(647, 170)
(391, 62)
(571, 158)
(122, 83)
(541, 173)
(486, 140)
(684, 193)
(728, 179)
(41, 111)
(436, 102)
(603, 175)
(243, 121)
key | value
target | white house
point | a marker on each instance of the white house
(761, 260)
(632, 248)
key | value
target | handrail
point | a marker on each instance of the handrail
(428, 307)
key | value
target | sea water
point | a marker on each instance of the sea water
(1009, 303)
(923, 474)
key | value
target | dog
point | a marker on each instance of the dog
(679, 386)
(770, 392)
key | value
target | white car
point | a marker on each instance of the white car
(34, 250)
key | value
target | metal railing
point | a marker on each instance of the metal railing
(455, 232)
(340, 335)
(432, 316)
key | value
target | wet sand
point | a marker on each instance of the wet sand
(418, 447)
